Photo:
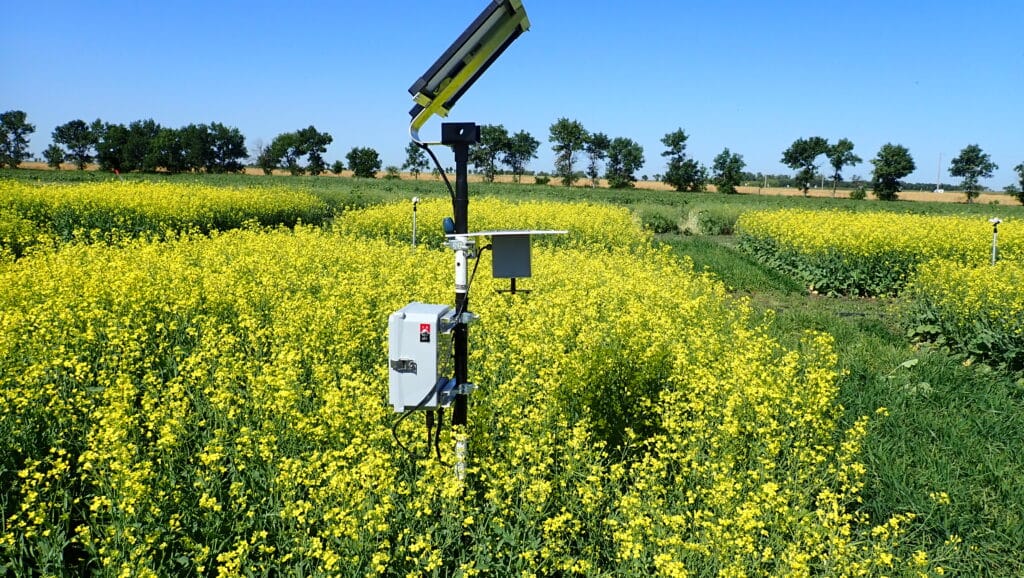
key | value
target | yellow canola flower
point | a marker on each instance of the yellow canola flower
(870, 252)
(113, 209)
(978, 309)
(220, 403)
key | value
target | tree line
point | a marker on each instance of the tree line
(146, 146)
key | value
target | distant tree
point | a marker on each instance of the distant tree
(840, 155)
(313, 144)
(196, 150)
(1020, 174)
(800, 156)
(78, 139)
(110, 146)
(484, 154)
(625, 157)
(392, 172)
(286, 150)
(136, 154)
(684, 174)
(522, 148)
(227, 149)
(14, 131)
(596, 148)
(168, 151)
(415, 159)
(337, 167)
(567, 138)
(892, 163)
(727, 171)
(54, 156)
(266, 160)
(364, 162)
(971, 165)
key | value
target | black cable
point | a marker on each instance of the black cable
(430, 428)
(423, 402)
(440, 169)
(437, 436)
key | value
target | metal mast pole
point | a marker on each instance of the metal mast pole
(460, 136)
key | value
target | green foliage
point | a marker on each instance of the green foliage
(683, 173)
(14, 131)
(79, 140)
(860, 193)
(727, 171)
(392, 172)
(541, 180)
(54, 156)
(494, 141)
(146, 146)
(568, 138)
(521, 148)
(625, 157)
(288, 148)
(801, 156)
(892, 163)
(364, 162)
(415, 160)
(337, 167)
(1020, 190)
(597, 149)
(840, 155)
(972, 164)
(658, 218)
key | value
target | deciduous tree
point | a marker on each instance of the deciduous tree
(522, 148)
(971, 165)
(484, 154)
(415, 159)
(78, 139)
(567, 138)
(227, 149)
(14, 131)
(597, 149)
(727, 171)
(684, 174)
(1020, 174)
(364, 162)
(54, 156)
(801, 155)
(892, 163)
(625, 157)
(840, 155)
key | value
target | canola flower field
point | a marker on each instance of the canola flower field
(33, 214)
(979, 310)
(957, 298)
(214, 405)
(869, 253)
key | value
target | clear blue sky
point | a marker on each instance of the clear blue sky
(752, 76)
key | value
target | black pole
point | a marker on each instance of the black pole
(459, 136)
(461, 209)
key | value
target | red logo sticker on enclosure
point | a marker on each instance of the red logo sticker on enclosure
(424, 333)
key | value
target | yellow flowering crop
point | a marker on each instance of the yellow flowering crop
(217, 405)
(587, 223)
(872, 253)
(139, 208)
(979, 310)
